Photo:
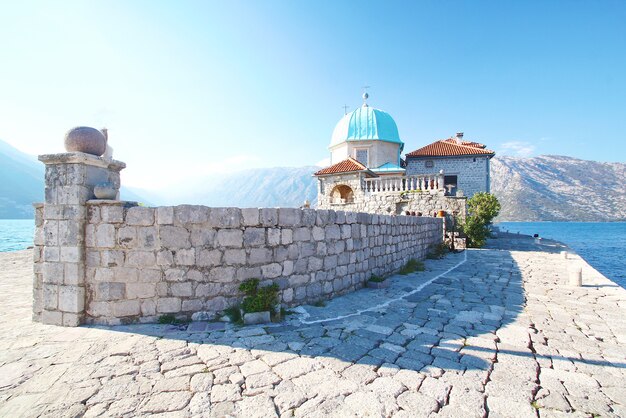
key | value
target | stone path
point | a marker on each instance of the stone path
(500, 335)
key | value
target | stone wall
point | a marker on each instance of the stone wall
(472, 172)
(145, 262)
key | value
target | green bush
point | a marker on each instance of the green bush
(258, 299)
(481, 209)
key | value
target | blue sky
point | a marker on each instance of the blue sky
(193, 88)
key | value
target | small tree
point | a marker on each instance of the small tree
(481, 209)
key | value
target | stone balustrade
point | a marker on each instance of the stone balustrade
(432, 183)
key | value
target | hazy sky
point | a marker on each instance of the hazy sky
(189, 88)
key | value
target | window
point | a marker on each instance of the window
(450, 183)
(361, 156)
(430, 163)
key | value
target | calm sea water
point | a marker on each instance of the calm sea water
(601, 244)
(16, 234)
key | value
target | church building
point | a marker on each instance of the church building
(368, 174)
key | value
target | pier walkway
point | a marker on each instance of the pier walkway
(493, 332)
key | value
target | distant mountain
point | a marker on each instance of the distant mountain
(557, 188)
(544, 188)
(22, 183)
(262, 187)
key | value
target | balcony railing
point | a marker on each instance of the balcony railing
(432, 182)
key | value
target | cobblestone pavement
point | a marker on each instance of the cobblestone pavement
(493, 332)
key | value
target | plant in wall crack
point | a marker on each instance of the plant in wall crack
(258, 299)
(412, 266)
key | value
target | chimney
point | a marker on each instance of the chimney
(459, 138)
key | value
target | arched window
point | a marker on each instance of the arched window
(342, 194)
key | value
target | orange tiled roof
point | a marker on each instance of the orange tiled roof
(449, 147)
(345, 166)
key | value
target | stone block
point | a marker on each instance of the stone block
(216, 304)
(140, 216)
(191, 214)
(146, 238)
(207, 289)
(174, 275)
(308, 217)
(260, 256)
(53, 272)
(287, 295)
(302, 234)
(126, 308)
(127, 236)
(195, 276)
(165, 215)
(192, 305)
(250, 216)
(181, 289)
(314, 290)
(268, 217)
(254, 318)
(72, 319)
(307, 249)
(70, 233)
(169, 305)
(286, 236)
(51, 254)
(105, 236)
(288, 217)
(112, 214)
(332, 232)
(101, 274)
(208, 258)
(254, 237)
(244, 273)
(185, 257)
(230, 237)
(225, 218)
(315, 263)
(140, 290)
(273, 236)
(287, 267)
(125, 274)
(71, 299)
(222, 274)
(96, 309)
(330, 262)
(318, 233)
(71, 255)
(346, 231)
(110, 291)
(52, 317)
(271, 271)
(235, 256)
(202, 236)
(148, 307)
(165, 258)
(140, 259)
(172, 237)
(50, 296)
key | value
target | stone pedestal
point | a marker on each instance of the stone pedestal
(59, 284)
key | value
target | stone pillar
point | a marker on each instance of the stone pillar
(70, 180)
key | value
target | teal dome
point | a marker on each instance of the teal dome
(366, 123)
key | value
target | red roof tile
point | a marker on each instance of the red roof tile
(345, 166)
(449, 147)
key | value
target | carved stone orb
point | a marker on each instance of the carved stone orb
(85, 139)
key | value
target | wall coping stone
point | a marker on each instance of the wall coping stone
(81, 158)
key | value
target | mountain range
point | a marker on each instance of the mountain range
(543, 188)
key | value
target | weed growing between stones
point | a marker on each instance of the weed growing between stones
(234, 314)
(259, 299)
(320, 303)
(438, 251)
(171, 319)
(412, 266)
(376, 279)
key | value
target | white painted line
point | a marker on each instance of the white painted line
(305, 314)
